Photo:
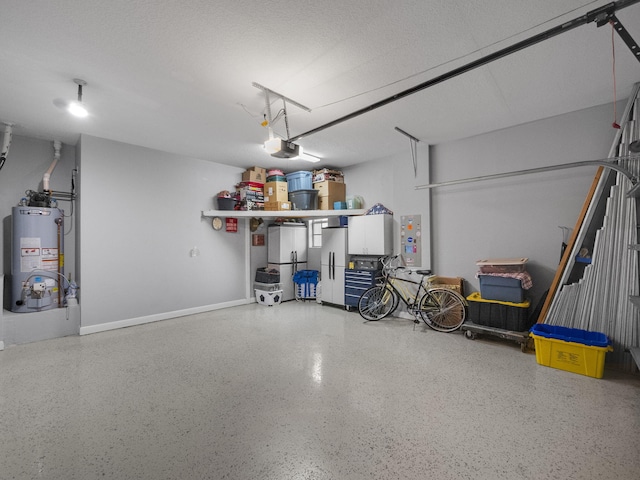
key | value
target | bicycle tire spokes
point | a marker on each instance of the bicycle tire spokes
(376, 303)
(442, 310)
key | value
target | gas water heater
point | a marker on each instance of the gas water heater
(37, 258)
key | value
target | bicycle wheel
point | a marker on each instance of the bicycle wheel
(442, 309)
(377, 302)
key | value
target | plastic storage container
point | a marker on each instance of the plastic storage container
(268, 298)
(304, 199)
(225, 203)
(502, 265)
(571, 349)
(503, 315)
(299, 181)
(267, 276)
(267, 287)
(306, 282)
(502, 289)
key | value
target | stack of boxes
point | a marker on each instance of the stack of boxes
(250, 191)
(273, 191)
(276, 193)
(331, 188)
(501, 302)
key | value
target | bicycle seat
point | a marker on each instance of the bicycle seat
(423, 272)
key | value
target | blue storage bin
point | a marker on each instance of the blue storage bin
(299, 181)
(593, 339)
(503, 289)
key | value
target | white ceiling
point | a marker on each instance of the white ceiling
(176, 75)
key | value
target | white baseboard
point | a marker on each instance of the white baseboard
(131, 322)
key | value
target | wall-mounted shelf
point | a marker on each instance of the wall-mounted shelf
(282, 213)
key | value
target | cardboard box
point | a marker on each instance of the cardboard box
(328, 188)
(254, 174)
(277, 206)
(328, 193)
(454, 283)
(276, 192)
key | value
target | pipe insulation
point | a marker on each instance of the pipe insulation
(6, 144)
(56, 157)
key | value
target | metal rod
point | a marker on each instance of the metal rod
(604, 12)
(279, 95)
(407, 134)
(604, 163)
(626, 37)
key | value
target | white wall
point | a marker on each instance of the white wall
(139, 221)
(516, 216)
(392, 182)
(512, 217)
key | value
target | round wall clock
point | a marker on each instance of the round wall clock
(216, 223)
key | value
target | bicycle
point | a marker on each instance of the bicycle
(442, 309)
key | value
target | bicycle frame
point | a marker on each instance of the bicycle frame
(440, 308)
(400, 286)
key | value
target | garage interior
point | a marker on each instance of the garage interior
(509, 129)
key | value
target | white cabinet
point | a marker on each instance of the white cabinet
(371, 235)
(287, 243)
(333, 260)
(287, 253)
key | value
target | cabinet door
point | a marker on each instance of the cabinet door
(371, 235)
(337, 286)
(379, 234)
(299, 241)
(282, 241)
(357, 235)
(334, 246)
(326, 281)
(332, 284)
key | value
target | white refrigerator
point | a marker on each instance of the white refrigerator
(333, 261)
(287, 253)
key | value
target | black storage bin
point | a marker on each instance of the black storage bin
(502, 315)
(267, 276)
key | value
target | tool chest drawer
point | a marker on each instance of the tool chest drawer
(356, 282)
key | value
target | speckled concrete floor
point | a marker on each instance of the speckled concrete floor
(304, 391)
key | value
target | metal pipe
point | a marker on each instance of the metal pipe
(598, 15)
(588, 163)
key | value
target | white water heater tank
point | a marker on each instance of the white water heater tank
(37, 258)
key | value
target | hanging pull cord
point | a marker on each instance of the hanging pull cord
(615, 123)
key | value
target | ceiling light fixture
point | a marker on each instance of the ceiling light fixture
(77, 108)
(307, 157)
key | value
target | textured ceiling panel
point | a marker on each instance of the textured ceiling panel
(177, 75)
